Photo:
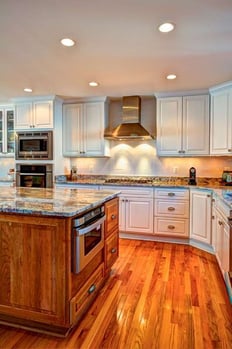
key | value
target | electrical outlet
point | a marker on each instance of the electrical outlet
(174, 170)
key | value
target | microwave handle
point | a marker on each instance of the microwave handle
(90, 227)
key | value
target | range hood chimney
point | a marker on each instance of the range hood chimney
(131, 127)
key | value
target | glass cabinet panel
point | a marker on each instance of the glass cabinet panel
(7, 135)
(10, 131)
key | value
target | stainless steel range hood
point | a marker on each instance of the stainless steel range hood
(131, 127)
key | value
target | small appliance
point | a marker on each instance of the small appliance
(192, 176)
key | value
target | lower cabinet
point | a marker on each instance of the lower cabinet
(221, 235)
(136, 211)
(82, 300)
(111, 234)
(171, 212)
(200, 215)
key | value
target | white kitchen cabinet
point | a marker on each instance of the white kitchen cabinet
(34, 114)
(135, 209)
(171, 212)
(183, 125)
(7, 138)
(200, 215)
(221, 242)
(221, 120)
(83, 130)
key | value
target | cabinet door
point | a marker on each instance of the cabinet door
(94, 123)
(7, 140)
(23, 115)
(72, 124)
(196, 125)
(226, 248)
(43, 114)
(139, 215)
(169, 126)
(122, 214)
(221, 123)
(200, 216)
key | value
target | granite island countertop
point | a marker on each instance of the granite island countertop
(51, 202)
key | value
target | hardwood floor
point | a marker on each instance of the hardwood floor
(160, 295)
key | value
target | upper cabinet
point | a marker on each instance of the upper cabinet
(34, 113)
(183, 125)
(221, 120)
(7, 131)
(83, 130)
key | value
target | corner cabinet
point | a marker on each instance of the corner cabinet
(83, 130)
(34, 113)
(221, 120)
(7, 140)
(183, 125)
(200, 215)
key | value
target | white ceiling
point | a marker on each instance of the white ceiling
(118, 45)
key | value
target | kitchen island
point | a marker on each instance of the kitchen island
(38, 290)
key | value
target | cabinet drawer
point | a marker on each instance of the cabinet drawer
(111, 250)
(173, 208)
(111, 222)
(171, 227)
(82, 299)
(172, 194)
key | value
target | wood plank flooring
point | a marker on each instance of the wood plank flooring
(159, 296)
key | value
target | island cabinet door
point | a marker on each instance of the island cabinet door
(33, 268)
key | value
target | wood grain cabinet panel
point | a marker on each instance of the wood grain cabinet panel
(33, 268)
(81, 301)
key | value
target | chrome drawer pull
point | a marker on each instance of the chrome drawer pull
(113, 216)
(171, 227)
(171, 194)
(114, 250)
(91, 289)
(171, 208)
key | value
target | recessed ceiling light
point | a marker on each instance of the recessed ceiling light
(67, 42)
(166, 27)
(93, 83)
(171, 76)
(27, 89)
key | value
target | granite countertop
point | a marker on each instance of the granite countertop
(214, 184)
(51, 202)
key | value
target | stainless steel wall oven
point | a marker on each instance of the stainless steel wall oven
(34, 175)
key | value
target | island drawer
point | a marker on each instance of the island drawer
(111, 211)
(111, 250)
(81, 301)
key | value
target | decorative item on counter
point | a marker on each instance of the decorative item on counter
(11, 173)
(192, 176)
(227, 177)
(74, 173)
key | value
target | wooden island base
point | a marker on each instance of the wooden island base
(38, 290)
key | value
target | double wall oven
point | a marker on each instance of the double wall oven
(31, 146)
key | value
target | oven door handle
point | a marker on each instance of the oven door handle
(90, 227)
